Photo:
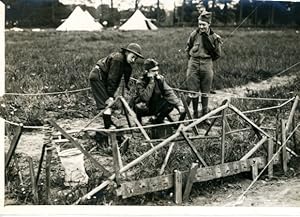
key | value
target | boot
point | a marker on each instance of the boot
(107, 121)
(101, 140)
(195, 107)
(204, 102)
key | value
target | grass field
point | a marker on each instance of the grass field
(42, 62)
(57, 61)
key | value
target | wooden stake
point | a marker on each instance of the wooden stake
(48, 169)
(131, 113)
(34, 187)
(291, 116)
(116, 155)
(189, 182)
(13, 145)
(19, 171)
(254, 149)
(223, 136)
(214, 120)
(178, 186)
(283, 142)
(125, 144)
(193, 149)
(40, 164)
(127, 117)
(187, 110)
(77, 145)
(248, 120)
(294, 135)
(162, 169)
(258, 123)
(254, 169)
(278, 128)
(270, 155)
(190, 137)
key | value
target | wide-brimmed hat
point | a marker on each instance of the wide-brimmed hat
(205, 16)
(135, 49)
(150, 64)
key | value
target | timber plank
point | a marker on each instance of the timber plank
(138, 187)
(129, 189)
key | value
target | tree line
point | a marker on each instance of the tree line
(50, 13)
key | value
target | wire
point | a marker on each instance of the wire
(242, 22)
(51, 93)
(256, 178)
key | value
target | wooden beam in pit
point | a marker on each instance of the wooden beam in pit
(159, 183)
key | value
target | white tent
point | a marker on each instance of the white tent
(138, 22)
(80, 20)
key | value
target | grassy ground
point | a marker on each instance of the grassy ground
(57, 61)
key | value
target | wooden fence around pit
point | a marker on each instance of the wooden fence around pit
(178, 179)
(205, 173)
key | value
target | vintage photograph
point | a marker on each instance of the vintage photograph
(160, 103)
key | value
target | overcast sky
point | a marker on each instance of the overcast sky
(125, 4)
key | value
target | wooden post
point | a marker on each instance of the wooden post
(19, 171)
(193, 148)
(214, 120)
(223, 136)
(77, 145)
(270, 155)
(40, 164)
(2, 48)
(127, 117)
(294, 135)
(259, 144)
(13, 146)
(238, 112)
(178, 186)
(254, 169)
(258, 123)
(125, 145)
(136, 120)
(33, 185)
(47, 141)
(189, 182)
(186, 107)
(283, 143)
(162, 169)
(278, 128)
(292, 113)
(116, 155)
(48, 167)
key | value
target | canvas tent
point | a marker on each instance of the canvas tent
(138, 22)
(80, 20)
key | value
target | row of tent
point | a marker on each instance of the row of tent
(80, 20)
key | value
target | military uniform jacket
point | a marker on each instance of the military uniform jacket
(112, 68)
(153, 91)
(195, 47)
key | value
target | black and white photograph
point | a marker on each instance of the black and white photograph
(149, 105)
